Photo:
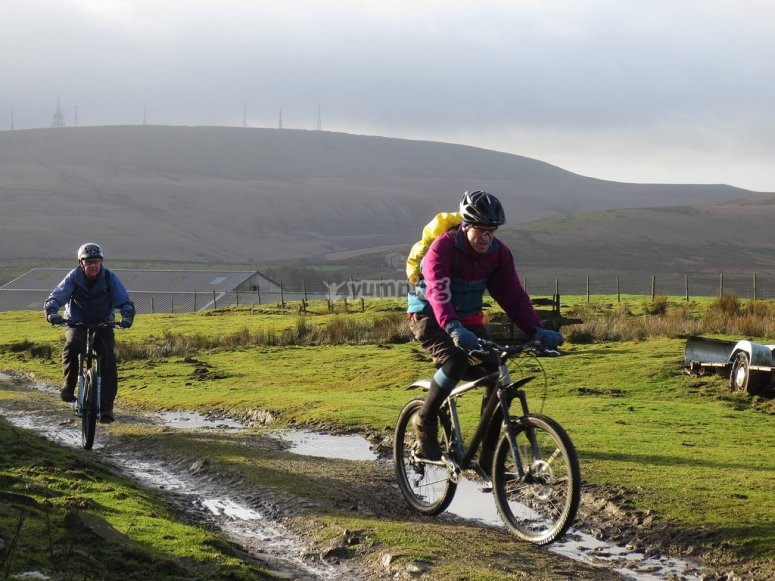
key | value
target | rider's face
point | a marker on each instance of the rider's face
(480, 237)
(91, 267)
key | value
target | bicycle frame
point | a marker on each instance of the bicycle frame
(504, 392)
(534, 472)
(88, 402)
(89, 359)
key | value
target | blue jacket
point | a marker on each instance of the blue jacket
(90, 303)
(455, 278)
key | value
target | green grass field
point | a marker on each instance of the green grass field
(687, 449)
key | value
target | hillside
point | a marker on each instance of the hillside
(248, 196)
(721, 236)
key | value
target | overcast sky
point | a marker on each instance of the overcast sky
(632, 90)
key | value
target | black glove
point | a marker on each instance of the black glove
(55, 318)
(462, 337)
(126, 322)
(552, 339)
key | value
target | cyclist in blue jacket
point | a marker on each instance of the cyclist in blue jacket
(445, 309)
(90, 294)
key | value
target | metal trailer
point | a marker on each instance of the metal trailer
(750, 365)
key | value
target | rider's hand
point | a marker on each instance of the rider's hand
(126, 322)
(462, 337)
(552, 339)
(55, 319)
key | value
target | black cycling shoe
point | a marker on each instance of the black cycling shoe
(67, 394)
(107, 417)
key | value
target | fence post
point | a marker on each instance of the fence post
(214, 304)
(686, 287)
(754, 286)
(153, 310)
(587, 289)
(195, 301)
(618, 290)
(653, 286)
(236, 297)
(282, 296)
(721, 286)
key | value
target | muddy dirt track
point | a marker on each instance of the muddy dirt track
(267, 526)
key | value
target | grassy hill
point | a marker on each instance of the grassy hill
(254, 196)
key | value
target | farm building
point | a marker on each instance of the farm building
(160, 291)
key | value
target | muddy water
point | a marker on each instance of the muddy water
(266, 540)
(472, 503)
(280, 548)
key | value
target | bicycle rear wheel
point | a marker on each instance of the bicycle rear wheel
(89, 416)
(428, 488)
(540, 507)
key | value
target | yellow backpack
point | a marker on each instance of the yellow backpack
(441, 223)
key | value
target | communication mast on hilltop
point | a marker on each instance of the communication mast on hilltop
(320, 120)
(280, 122)
(59, 119)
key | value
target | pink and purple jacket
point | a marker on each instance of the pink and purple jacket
(455, 278)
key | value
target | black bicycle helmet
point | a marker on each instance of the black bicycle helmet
(89, 250)
(482, 208)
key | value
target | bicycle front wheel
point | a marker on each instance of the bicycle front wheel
(89, 416)
(540, 506)
(428, 488)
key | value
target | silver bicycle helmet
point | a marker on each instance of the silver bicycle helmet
(89, 250)
(482, 208)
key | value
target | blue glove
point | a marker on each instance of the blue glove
(126, 322)
(462, 337)
(552, 339)
(55, 318)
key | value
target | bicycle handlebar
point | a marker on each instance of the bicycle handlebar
(100, 325)
(488, 346)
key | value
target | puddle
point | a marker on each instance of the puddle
(471, 503)
(346, 447)
(264, 539)
(279, 547)
(196, 421)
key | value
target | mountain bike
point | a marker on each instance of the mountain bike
(535, 474)
(89, 396)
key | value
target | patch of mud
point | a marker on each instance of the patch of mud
(251, 524)
(262, 524)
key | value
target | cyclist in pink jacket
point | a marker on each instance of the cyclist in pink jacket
(445, 309)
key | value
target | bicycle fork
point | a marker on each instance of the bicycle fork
(96, 385)
(81, 386)
(506, 395)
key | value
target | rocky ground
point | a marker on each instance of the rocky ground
(281, 541)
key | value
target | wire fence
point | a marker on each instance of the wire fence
(752, 286)
(351, 294)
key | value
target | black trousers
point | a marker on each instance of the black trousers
(104, 344)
